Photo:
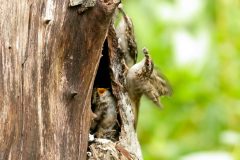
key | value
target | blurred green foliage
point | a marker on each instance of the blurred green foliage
(204, 112)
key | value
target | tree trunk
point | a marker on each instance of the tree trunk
(49, 56)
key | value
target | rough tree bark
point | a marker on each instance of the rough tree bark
(49, 55)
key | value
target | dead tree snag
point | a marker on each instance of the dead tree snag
(49, 56)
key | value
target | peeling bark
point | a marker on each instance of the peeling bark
(128, 137)
(126, 145)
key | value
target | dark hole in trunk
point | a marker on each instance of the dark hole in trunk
(103, 80)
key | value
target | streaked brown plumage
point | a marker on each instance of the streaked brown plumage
(143, 79)
(105, 113)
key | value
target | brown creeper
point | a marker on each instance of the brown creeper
(105, 112)
(127, 42)
(143, 79)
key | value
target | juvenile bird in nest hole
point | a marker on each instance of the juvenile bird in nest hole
(105, 114)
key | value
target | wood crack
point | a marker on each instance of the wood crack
(22, 80)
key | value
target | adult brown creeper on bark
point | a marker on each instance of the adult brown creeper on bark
(104, 105)
(127, 42)
(143, 79)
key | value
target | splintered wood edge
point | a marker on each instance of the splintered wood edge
(127, 148)
(128, 137)
(75, 2)
(106, 149)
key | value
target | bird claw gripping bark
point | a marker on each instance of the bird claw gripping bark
(143, 79)
(104, 108)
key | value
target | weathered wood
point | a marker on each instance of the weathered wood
(128, 137)
(48, 60)
(124, 145)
